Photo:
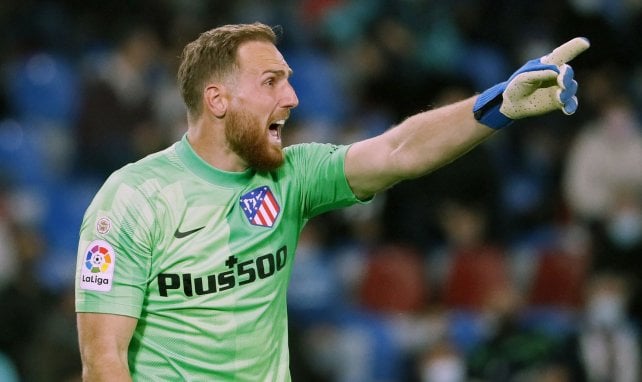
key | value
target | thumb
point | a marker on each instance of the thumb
(537, 79)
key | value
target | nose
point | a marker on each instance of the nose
(290, 100)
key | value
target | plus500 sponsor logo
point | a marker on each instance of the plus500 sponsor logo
(239, 273)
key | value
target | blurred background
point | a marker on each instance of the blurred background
(519, 262)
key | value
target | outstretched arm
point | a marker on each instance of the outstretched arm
(431, 139)
(417, 146)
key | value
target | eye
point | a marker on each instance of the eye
(269, 82)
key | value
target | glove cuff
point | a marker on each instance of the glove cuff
(486, 108)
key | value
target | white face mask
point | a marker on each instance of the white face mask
(606, 310)
(625, 229)
(450, 369)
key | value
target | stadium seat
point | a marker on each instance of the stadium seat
(394, 281)
(558, 280)
(473, 275)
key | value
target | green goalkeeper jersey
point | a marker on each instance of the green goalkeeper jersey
(202, 258)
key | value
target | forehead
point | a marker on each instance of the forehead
(260, 56)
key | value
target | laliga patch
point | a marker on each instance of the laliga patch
(98, 267)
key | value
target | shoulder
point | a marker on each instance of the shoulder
(313, 151)
(311, 159)
(158, 168)
(142, 179)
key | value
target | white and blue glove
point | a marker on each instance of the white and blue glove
(540, 86)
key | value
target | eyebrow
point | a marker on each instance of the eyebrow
(280, 72)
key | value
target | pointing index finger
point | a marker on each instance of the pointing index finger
(567, 51)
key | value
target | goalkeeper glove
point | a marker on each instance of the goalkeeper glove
(540, 86)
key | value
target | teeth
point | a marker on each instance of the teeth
(275, 128)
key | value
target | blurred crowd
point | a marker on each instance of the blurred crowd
(521, 261)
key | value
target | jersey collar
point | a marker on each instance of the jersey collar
(204, 170)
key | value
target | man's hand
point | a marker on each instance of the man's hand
(540, 86)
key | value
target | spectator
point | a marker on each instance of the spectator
(606, 157)
(511, 351)
(412, 209)
(54, 348)
(442, 363)
(470, 265)
(23, 301)
(618, 245)
(8, 256)
(115, 120)
(606, 346)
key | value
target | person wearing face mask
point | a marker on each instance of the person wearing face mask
(442, 363)
(604, 159)
(623, 226)
(618, 244)
(510, 348)
(606, 346)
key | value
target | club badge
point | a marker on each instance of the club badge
(260, 206)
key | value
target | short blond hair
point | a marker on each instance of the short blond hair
(213, 56)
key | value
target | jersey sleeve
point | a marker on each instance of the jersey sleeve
(114, 251)
(319, 169)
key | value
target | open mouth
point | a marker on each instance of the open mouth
(275, 128)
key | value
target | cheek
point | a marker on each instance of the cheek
(255, 99)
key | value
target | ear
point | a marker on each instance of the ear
(215, 99)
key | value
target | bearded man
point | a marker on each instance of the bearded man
(184, 257)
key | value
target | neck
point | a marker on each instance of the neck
(207, 138)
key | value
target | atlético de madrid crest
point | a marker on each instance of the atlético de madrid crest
(260, 206)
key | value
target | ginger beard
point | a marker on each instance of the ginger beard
(250, 141)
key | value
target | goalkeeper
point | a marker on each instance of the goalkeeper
(184, 256)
